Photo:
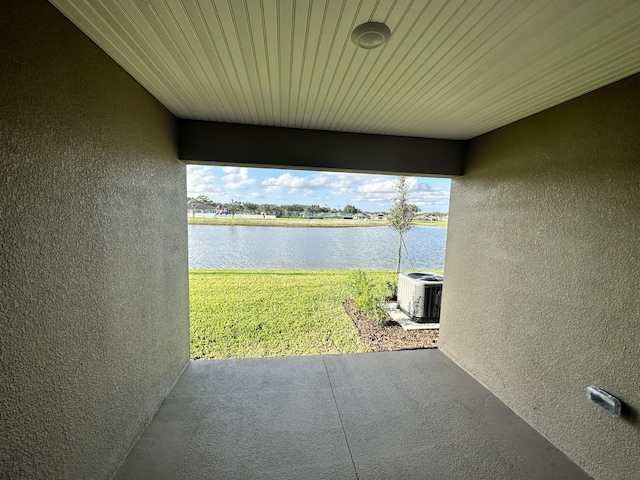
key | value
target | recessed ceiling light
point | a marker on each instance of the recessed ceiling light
(370, 35)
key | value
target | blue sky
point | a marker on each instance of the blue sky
(331, 189)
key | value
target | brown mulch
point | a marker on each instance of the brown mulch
(390, 335)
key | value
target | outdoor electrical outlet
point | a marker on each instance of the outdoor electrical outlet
(604, 400)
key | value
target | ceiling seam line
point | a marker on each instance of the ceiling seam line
(340, 58)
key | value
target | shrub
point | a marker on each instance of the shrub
(392, 286)
(369, 297)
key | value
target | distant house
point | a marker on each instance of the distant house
(199, 208)
(427, 217)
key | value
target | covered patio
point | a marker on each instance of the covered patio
(531, 108)
(407, 414)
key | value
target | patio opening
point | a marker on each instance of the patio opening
(277, 257)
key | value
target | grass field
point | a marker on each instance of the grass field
(271, 313)
(299, 222)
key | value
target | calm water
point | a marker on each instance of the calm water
(281, 248)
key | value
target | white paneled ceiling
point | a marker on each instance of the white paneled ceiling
(451, 69)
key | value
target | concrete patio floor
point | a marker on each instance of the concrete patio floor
(392, 415)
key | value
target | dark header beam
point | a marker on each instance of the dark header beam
(258, 146)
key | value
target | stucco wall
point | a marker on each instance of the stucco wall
(94, 323)
(542, 291)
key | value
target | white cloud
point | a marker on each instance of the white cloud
(377, 186)
(254, 196)
(198, 175)
(237, 178)
(340, 188)
(375, 189)
(294, 184)
(200, 181)
(381, 190)
(355, 184)
(426, 194)
(368, 192)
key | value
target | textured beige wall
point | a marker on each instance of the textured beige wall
(94, 323)
(542, 296)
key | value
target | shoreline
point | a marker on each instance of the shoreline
(300, 222)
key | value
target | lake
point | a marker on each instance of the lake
(281, 248)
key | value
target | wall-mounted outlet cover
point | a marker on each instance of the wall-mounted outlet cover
(605, 400)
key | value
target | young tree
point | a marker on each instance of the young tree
(401, 213)
(233, 208)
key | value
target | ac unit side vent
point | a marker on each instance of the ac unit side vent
(420, 296)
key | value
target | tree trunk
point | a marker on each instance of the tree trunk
(399, 253)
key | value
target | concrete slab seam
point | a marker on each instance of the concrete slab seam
(335, 402)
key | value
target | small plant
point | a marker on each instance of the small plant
(392, 286)
(369, 297)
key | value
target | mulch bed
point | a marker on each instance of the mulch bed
(390, 335)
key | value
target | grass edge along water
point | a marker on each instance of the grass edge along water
(302, 222)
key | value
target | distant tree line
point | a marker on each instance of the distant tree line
(270, 208)
(296, 209)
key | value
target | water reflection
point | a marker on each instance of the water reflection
(281, 248)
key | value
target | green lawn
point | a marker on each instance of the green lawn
(241, 313)
(435, 223)
(300, 222)
(286, 222)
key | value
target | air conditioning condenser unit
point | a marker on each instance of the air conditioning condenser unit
(420, 296)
